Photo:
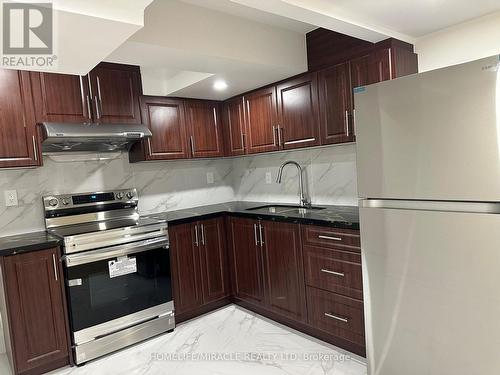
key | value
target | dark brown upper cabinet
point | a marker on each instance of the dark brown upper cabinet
(199, 265)
(35, 316)
(19, 143)
(298, 112)
(204, 128)
(261, 117)
(165, 119)
(61, 97)
(115, 90)
(336, 105)
(234, 126)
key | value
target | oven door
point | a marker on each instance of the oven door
(118, 287)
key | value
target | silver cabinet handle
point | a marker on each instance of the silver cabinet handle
(329, 238)
(274, 135)
(35, 152)
(336, 317)
(196, 243)
(255, 234)
(191, 144)
(341, 274)
(55, 266)
(279, 136)
(260, 235)
(202, 229)
(215, 116)
(243, 141)
(282, 136)
(149, 148)
(98, 112)
(346, 120)
(89, 111)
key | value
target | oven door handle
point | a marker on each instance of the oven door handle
(115, 251)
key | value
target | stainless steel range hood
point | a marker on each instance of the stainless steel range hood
(68, 137)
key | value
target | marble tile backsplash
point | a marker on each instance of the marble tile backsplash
(165, 186)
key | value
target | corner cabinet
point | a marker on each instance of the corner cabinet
(19, 139)
(33, 304)
(204, 128)
(233, 120)
(266, 259)
(199, 267)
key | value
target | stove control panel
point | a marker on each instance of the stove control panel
(65, 201)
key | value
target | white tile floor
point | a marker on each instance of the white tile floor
(243, 342)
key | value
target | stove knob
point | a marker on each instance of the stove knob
(119, 195)
(53, 202)
(65, 201)
(130, 194)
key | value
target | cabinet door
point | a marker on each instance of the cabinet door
(184, 260)
(204, 129)
(213, 259)
(261, 119)
(61, 97)
(336, 105)
(372, 68)
(115, 90)
(19, 145)
(246, 257)
(36, 318)
(284, 269)
(165, 119)
(298, 112)
(234, 126)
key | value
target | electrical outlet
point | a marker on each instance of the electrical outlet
(10, 197)
(210, 177)
(268, 178)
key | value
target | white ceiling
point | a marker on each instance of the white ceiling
(411, 17)
(184, 48)
(186, 45)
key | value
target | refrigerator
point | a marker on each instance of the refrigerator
(428, 164)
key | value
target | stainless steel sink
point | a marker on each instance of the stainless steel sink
(281, 208)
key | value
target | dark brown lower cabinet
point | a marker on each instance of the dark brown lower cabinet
(267, 266)
(305, 276)
(282, 255)
(199, 266)
(33, 308)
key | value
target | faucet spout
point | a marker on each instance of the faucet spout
(304, 202)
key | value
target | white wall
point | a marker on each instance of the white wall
(467, 41)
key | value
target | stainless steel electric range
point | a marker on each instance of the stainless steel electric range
(117, 270)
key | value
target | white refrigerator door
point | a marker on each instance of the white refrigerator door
(434, 135)
(432, 292)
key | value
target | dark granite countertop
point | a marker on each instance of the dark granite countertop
(23, 243)
(346, 217)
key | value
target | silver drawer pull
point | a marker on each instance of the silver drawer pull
(329, 238)
(333, 272)
(336, 317)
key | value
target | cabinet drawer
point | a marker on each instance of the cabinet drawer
(338, 315)
(339, 273)
(345, 239)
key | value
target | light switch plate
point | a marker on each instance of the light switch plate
(268, 178)
(210, 177)
(10, 198)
